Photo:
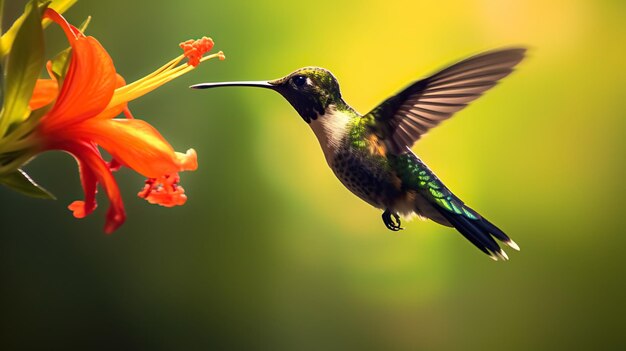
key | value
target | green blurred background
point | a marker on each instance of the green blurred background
(271, 252)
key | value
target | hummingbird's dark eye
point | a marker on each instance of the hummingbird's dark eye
(299, 80)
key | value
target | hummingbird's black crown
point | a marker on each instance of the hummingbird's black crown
(310, 90)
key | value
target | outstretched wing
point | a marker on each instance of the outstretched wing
(402, 119)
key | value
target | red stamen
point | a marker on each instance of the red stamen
(164, 191)
(194, 49)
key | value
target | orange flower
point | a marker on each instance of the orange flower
(81, 119)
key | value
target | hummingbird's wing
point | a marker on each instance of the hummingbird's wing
(403, 118)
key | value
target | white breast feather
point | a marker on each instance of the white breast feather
(330, 129)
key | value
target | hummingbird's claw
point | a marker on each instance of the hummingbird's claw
(389, 222)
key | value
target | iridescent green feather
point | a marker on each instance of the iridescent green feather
(416, 175)
(359, 130)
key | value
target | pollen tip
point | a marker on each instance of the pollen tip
(164, 191)
(194, 49)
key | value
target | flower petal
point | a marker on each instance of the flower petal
(89, 182)
(114, 111)
(93, 169)
(89, 83)
(135, 144)
(45, 92)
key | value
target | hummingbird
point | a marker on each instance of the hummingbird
(371, 154)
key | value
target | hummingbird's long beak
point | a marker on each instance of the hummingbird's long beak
(258, 84)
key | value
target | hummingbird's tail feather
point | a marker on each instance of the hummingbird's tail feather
(481, 233)
(436, 202)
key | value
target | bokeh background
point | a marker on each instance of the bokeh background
(271, 252)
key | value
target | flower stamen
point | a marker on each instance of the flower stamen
(82, 109)
(171, 70)
(164, 191)
(194, 49)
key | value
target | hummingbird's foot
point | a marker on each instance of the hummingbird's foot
(389, 222)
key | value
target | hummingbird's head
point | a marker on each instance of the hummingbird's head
(310, 90)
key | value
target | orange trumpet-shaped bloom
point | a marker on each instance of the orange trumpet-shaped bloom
(82, 119)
